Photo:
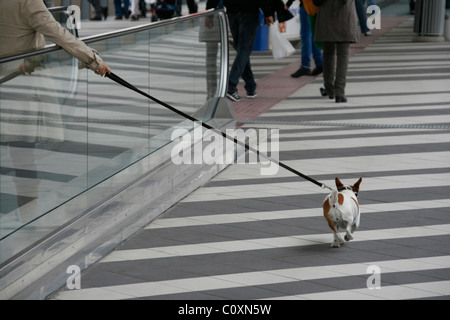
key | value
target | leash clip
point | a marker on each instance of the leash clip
(324, 186)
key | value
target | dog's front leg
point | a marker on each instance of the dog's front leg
(337, 240)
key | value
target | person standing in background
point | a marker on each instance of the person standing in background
(336, 27)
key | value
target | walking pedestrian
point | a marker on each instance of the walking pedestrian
(243, 17)
(336, 27)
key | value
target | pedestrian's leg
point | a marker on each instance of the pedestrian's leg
(317, 55)
(244, 27)
(193, 8)
(305, 38)
(329, 62)
(234, 72)
(143, 8)
(362, 16)
(118, 9)
(97, 8)
(342, 53)
(135, 12)
(248, 37)
(126, 8)
(178, 7)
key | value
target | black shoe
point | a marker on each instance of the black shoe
(251, 95)
(301, 72)
(341, 99)
(324, 93)
(96, 19)
(234, 96)
(317, 70)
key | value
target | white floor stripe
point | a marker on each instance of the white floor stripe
(255, 191)
(277, 113)
(270, 243)
(288, 214)
(344, 165)
(343, 143)
(238, 280)
(400, 292)
(318, 134)
(394, 58)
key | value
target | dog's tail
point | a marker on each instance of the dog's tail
(334, 198)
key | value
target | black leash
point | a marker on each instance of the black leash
(124, 83)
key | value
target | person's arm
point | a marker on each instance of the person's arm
(42, 21)
(268, 8)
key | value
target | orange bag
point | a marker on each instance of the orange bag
(310, 7)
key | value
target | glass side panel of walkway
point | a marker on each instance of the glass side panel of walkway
(65, 132)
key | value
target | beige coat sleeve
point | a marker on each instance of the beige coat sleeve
(41, 20)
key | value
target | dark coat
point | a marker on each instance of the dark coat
(337, 22)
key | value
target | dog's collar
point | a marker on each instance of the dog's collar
(349, 189)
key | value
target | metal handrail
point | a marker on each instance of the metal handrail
(57, 9)
(110, 35)
(114, 34)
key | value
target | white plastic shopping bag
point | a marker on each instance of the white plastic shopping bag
(281, 47)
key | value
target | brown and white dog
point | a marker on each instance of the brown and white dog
(341, 210)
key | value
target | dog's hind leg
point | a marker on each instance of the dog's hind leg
(337, 240)
(348, 236)
(353, 227)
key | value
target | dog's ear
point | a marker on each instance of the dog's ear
(339, 184)
(355, 187)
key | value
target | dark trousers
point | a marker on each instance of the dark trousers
(244, 27)
(335, 65)
(121, 11)
(97, 7)
(193, 8)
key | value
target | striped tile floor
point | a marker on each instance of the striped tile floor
(247, 236)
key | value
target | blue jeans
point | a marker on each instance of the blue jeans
(361, 10)
(118, 5)
(307, 43)
(244, 27)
